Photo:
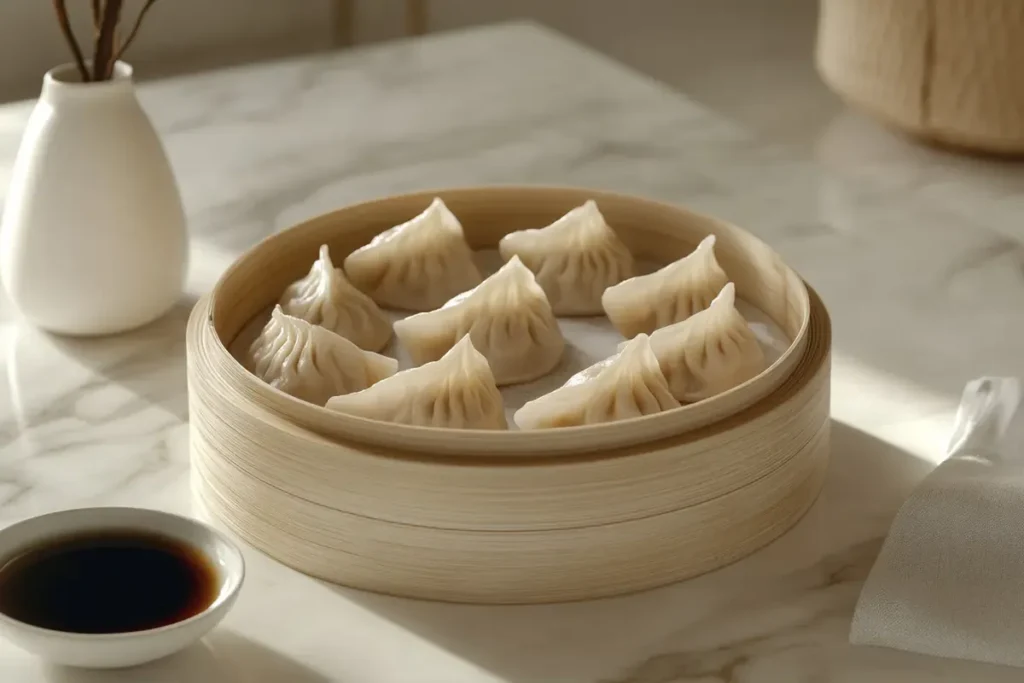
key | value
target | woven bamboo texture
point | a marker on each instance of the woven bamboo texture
(945, 70)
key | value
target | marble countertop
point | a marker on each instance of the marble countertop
(924, 296)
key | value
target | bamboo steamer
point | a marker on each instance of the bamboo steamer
(509, 517)
(947, 71)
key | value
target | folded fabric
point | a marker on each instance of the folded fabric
(949, 580)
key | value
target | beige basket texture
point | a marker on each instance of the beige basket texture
(948, 71)
(509, 517)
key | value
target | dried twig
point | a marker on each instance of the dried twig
(135, 30)
(107, 45)
(101, 59)
(69, 36)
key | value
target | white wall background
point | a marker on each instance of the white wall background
(178, 35)
(739, 56)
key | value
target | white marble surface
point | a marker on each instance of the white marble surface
(924, 296)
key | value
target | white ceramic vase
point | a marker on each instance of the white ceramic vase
(93, 239)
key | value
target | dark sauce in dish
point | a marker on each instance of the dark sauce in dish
(107, 582)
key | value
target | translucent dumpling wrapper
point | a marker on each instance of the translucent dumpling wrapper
(325, 297)
(312, 363)
(417, 265)
(710, 352)
(629, 384)
(508, 318)
(648, 302)
(455, 392)
(575, 259)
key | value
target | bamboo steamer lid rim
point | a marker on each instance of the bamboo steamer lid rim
(523, 443)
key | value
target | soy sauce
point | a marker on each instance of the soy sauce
(107, 582)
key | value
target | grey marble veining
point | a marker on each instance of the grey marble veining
(923, 298)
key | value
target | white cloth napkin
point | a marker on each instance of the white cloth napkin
(949, 580)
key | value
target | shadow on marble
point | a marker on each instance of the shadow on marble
(222, 657)
(149, 361)
(806, 581)
(109, 409)
(854, 141)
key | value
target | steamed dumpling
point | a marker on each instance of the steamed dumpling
(629, 384)
(456, 392)
(418, 265)
(507, 316)
(325, 297)
(710, 352)
(575, 259)
(674, 293)
(312, 363)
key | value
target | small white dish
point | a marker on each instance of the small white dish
(117, 650)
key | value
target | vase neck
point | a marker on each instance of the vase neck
(64, 84)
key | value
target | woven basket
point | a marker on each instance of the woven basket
(505, 517)
(948, 71)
